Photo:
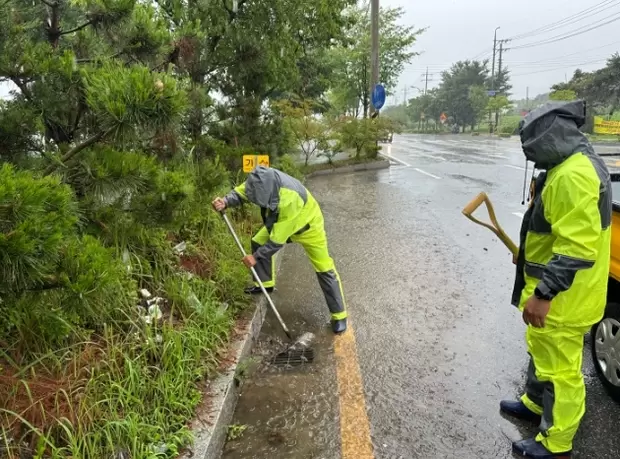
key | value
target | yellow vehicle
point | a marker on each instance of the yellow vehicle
(605, 336)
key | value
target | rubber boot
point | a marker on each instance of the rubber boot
(256, 290)
(339, 326)
(531, 448)
(517, 409)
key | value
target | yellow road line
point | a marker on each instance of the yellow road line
(354, 422)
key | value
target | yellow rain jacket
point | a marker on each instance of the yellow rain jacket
(564, 257)
(566, 232)
(290, 214)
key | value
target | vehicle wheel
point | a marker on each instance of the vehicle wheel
(605, 343)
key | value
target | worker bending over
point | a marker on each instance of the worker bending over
(290, 214)
(562, 271)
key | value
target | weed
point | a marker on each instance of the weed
(235, 431)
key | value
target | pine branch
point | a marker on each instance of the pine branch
(232, 15)
(168, 12)
(22, 87)
(99, 59)
(77, 149)
(78, 28)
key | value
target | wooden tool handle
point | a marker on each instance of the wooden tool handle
(472, 206)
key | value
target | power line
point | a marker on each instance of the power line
(599, 61)
(486, 52)
(588, 12)
(555, 62)
(596, 48)
(574, 21)
(557, 38)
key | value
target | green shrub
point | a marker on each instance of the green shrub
(509, 126)
(36, 217)
(372, 151)
(287, 164)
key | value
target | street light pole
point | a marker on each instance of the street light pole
(374, 51)
(494, 53)
(493, 76)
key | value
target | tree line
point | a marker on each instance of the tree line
(462, 95)
(599, 88)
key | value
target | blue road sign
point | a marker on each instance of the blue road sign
(378, 97)
(491, 93)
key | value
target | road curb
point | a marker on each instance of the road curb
(375, 165)
(210, 427)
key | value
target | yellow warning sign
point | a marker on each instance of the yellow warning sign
(263, 160)
(606, 127)
(250, 162)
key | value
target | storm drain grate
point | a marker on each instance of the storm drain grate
(293, 358)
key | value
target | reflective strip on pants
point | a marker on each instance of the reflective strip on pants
(314, 242)
(555, 386)
(265, 268)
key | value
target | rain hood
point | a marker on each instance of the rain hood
(262, 187)
(550, 134)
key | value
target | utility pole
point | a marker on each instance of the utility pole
(426, 83)
(374, 51)
(405, 96)
(493, 64)
(499, 72)
(527, 98)
(493, 76)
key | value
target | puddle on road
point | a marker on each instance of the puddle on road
(289, 412)
(485, 183)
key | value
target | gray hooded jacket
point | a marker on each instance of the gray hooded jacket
(262, 187)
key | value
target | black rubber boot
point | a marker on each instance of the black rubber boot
(339, 326)
(517, 409)
(531, 448)
(257, 290)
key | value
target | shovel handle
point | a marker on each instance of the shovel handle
(473, 205)
(255, 275)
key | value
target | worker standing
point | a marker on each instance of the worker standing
(562, 271)
(290, 214)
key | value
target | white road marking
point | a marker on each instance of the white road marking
(395, 159)
(515, 167)
(518, 214)
(426, 173)
(497, 156)
(430, 156)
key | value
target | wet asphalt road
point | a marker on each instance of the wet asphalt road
(428, 293)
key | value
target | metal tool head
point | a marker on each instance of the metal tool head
(299, 353)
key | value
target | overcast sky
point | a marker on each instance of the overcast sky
(462, 29)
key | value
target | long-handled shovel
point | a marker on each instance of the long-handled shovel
(300, 350)
(494, 225)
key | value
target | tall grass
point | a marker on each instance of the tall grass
(129, 389)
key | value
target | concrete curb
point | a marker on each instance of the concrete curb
(210, 428)
(375, 165)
